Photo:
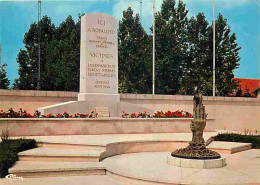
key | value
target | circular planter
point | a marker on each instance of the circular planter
(196, 163)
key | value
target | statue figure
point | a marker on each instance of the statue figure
(197, 99)
(199, 122)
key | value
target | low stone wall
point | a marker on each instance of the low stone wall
(127, 147)
(230, 113)
(95, 126)
(31, 100)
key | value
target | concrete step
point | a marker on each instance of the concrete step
(100, 141)
(33, 169)
(59, 154)
(72, 146)
(229, 147)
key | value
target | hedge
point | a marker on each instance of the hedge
(9, 148)
(231, 137)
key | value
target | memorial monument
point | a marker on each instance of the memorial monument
(98, 58)
(98, 69)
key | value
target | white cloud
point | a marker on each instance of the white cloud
(119, 7)
(147, 7)
(147, 10)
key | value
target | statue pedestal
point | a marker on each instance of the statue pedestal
(196, 163)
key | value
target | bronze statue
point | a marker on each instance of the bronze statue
(197, 148)
(198, 124)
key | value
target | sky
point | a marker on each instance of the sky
(242, 16)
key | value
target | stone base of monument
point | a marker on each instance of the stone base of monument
(81, 107)
(94, 101)
(98, 97)
(196, 163)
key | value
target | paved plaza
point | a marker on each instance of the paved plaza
(63, 160)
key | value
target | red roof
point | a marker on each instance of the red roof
(251, 84)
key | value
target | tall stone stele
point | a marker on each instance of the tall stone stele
(197, 148)
(98, 58)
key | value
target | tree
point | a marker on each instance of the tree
(171, 46)
(184, 52)
(134, 55)
(227, 57)
(247, 92)
(63, 59)
(4, 81)
(239, 93)
(200, 71)
(26, 72)
(28, 58)
(197, 71)
(60, 56)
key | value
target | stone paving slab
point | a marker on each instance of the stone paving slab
(72, 180)
(241, 168)
(36, 166)
(45, 151)
(227, 145)
(232, 147)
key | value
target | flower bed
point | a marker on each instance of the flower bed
(24, 114)
(158, 114)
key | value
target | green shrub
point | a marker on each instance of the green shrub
(254, 139)
(9, 148)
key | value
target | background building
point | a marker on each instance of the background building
(248, 85)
